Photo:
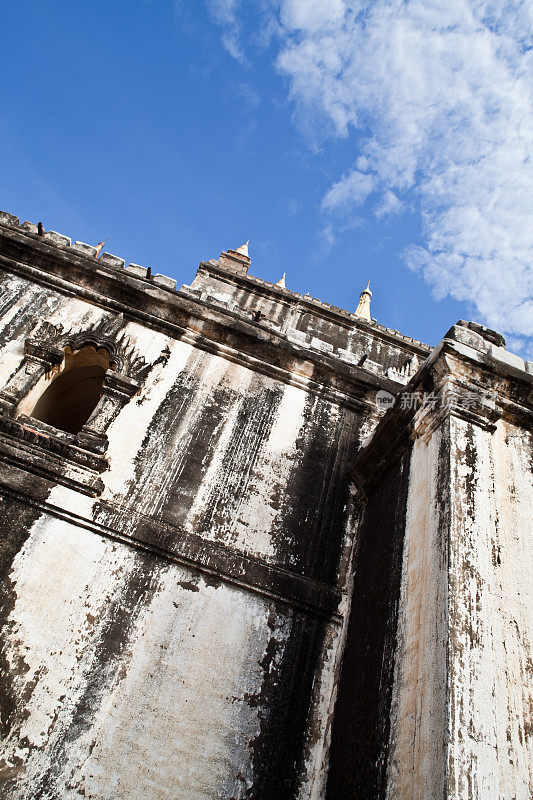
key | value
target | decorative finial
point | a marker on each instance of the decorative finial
(243, 249)
(281, 282)
(100, 246)
(363, 309)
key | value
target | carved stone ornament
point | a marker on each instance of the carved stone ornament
(74, 460)
(106, 334)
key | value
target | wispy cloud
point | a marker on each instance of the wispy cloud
(246, 94)
(290, 206)
(389, 205)
(227, 13)
(438, 100)
(350, 191)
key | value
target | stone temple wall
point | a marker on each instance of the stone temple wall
(440, 637)
(175, 576)
(194, 602)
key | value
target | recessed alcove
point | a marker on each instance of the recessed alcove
(69, 399)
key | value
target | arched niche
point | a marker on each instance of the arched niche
(70, 398)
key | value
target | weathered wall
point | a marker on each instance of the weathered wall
(177, 590)
(416, 751)
(451, 689)
(217, 451)
(307, 321)
(212, 447)
(463, 684)
(130, 676)
(490, 681)
(177, 625)
(362, 718)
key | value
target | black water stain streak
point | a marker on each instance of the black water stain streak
(254, 422)
(183, 470)
(326, 545)
(17, 520)
(155, 454)
(311, 528)
(470, 459)
(289, 667)
(116, 626)
(361, 727)
(34, 310)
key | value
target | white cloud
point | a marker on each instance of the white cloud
(442, 90)
(312, 15)
(522, 346)
(290, 206)
(352, 190)
(227, 13)
(327, 238)
(388, 206)
(437, 96)
(247, 95)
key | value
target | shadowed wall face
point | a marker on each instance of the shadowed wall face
(435, 681)
(358, 760)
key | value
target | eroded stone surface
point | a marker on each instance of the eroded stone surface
(193, 602)
(449, 711)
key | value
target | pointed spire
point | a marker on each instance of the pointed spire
(236, 261)
(281, 282)
(100, 246)
(363, 309)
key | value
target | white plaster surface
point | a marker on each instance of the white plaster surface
(463, 687)
(174, 705)
(252, 526)
(490, 682)
(415, 766)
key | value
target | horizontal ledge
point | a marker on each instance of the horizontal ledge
(214, 559)
(324, 376)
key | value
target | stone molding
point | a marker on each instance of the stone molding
(219, 330)
(120, 386)
(213, 559)
(39, 351)
(107, 334)
(42, 354)
(235, 262)
(42, 450)
(454, 370)
(307, 304)
(231, 263)
(40, 358)
(117, 390)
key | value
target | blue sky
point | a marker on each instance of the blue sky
(349, 141)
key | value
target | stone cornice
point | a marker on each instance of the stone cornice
(44, 352)
(222, 332)
(55, 455)
(165, 541)
(320, 308)
(119, 385)
(454, 372)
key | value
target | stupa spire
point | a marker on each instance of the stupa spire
(363, 308)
